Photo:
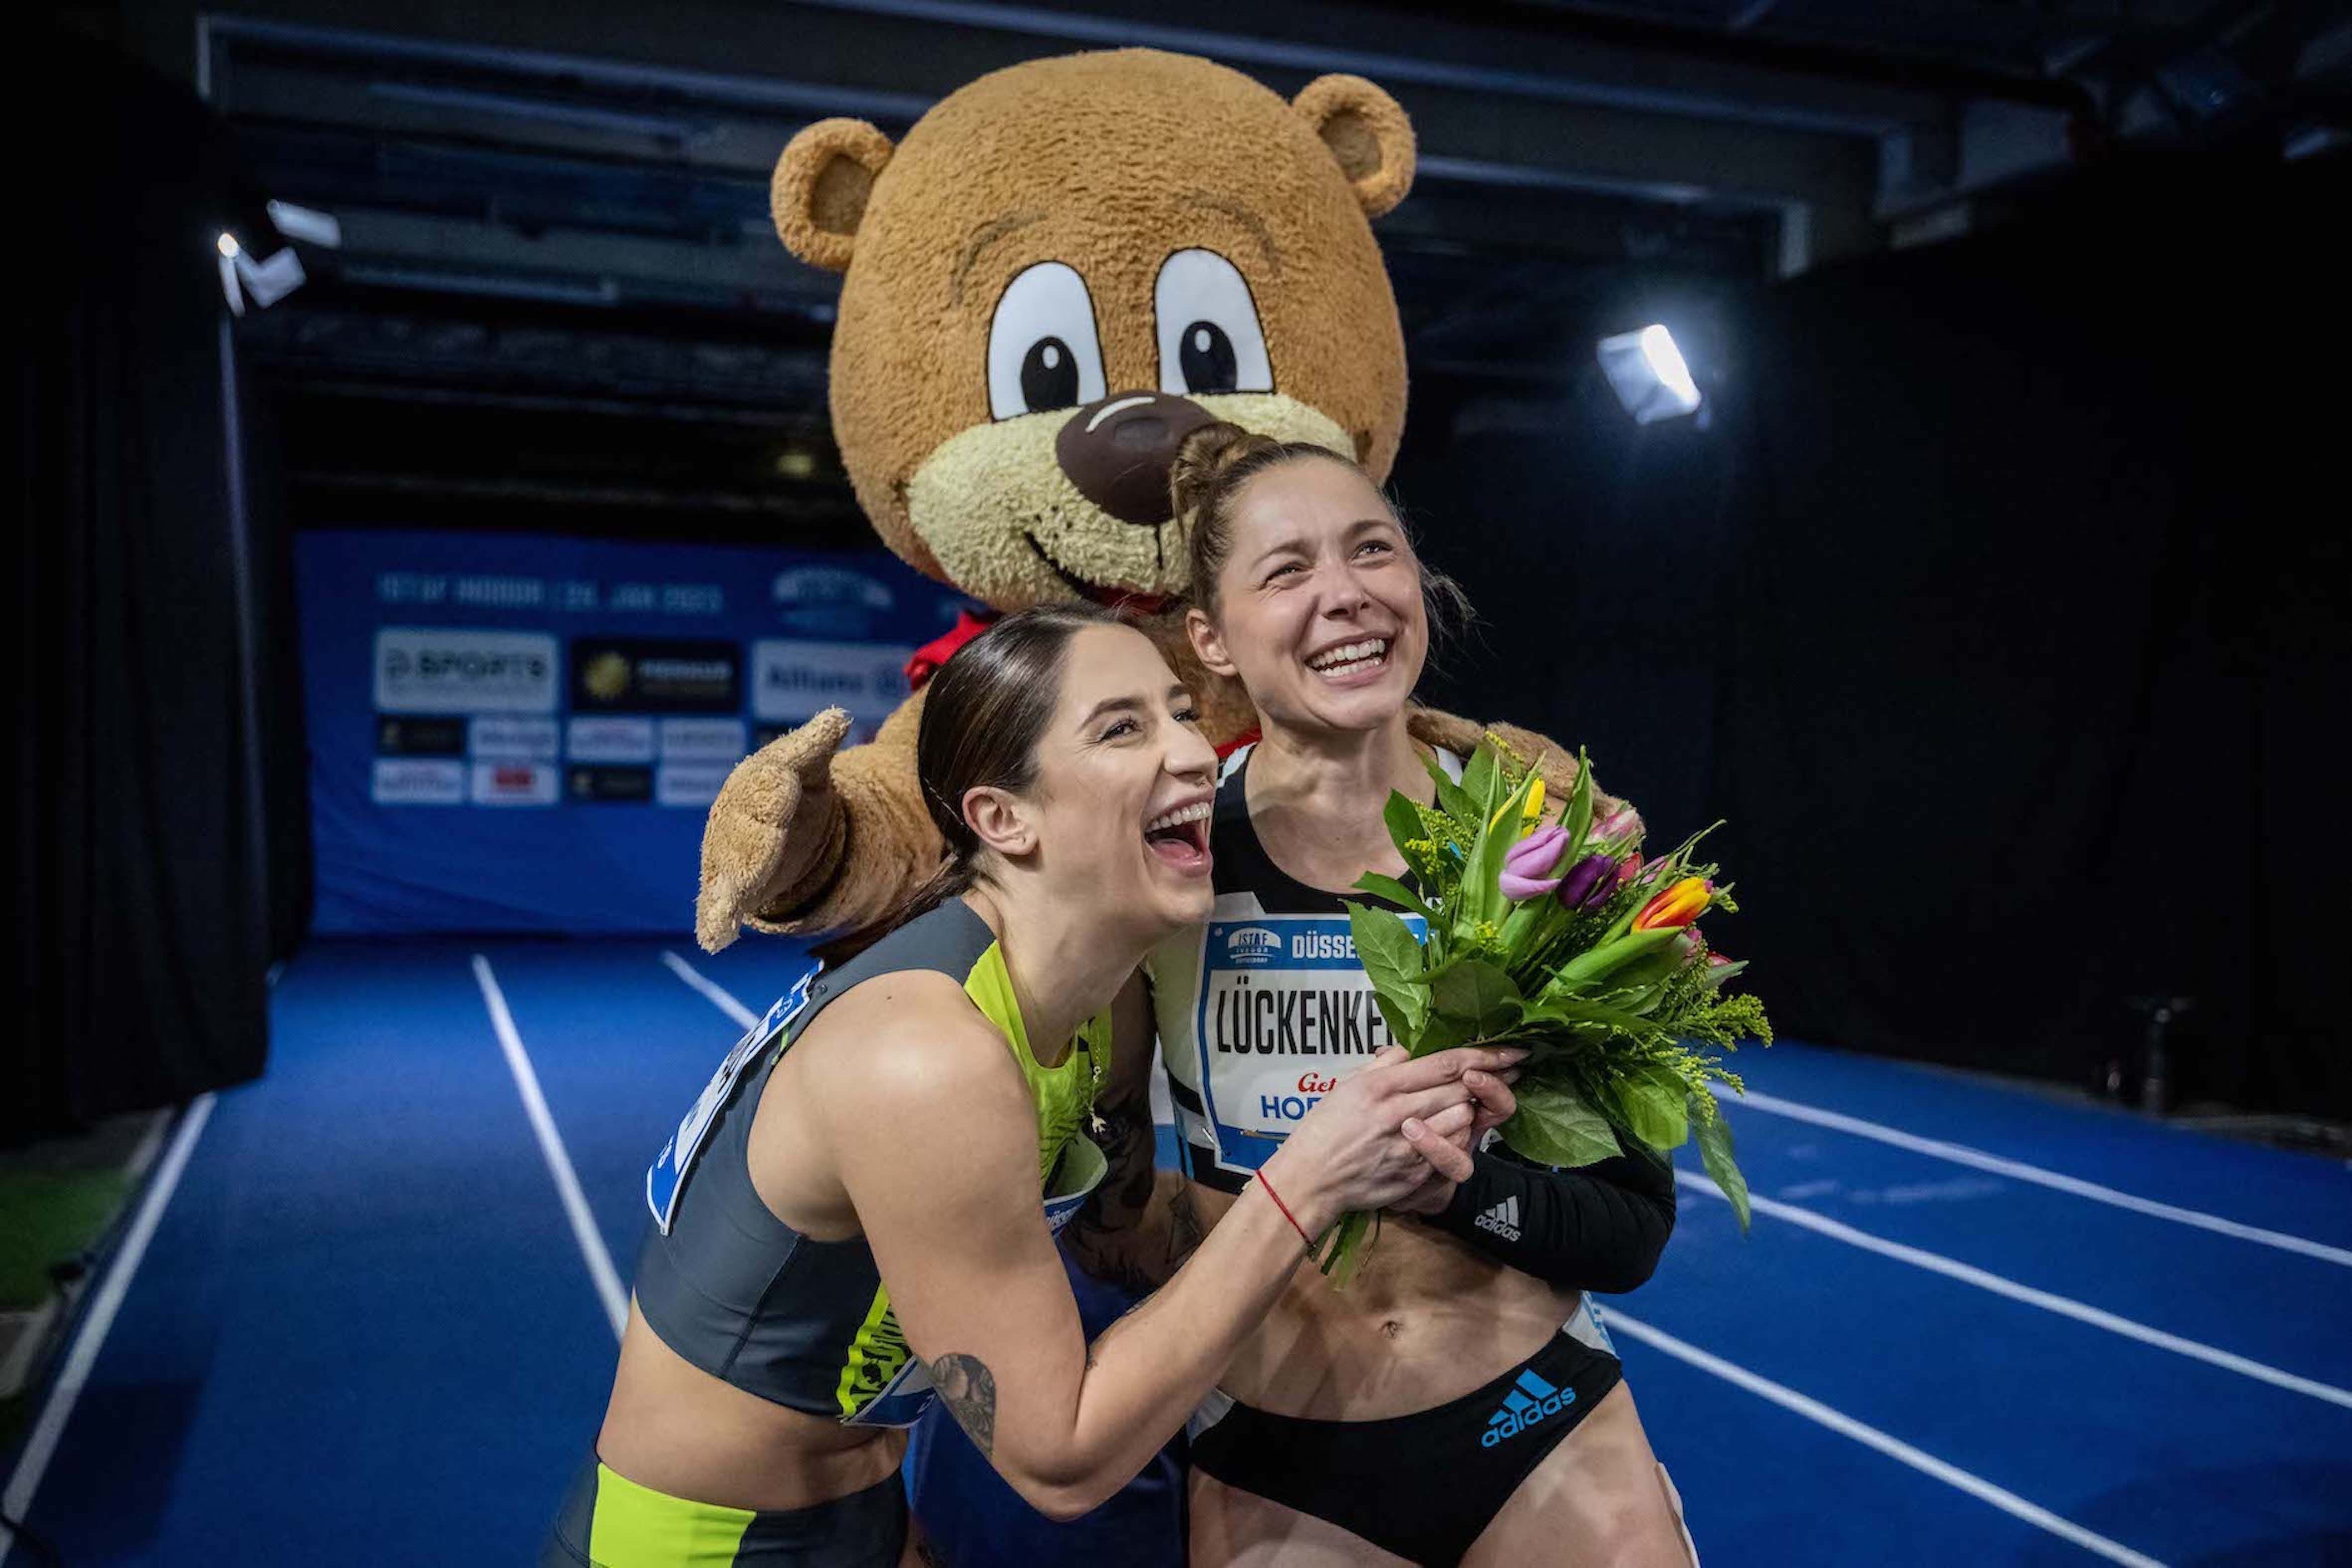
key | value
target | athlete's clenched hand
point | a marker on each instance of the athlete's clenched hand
(1352, 1152)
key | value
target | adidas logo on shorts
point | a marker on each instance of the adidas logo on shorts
(1503, 1219)
(1529, 1404)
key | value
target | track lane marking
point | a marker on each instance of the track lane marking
(2049, 1302)
(17, 1502)
(1870, 1437)
(720, 998)
(2058, 1181)
(550, 1147)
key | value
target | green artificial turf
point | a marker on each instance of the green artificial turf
(46, 1217)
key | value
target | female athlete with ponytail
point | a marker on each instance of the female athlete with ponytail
(856, 1218)
(1459, 1402)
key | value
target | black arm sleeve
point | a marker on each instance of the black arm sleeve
(1598, 1227)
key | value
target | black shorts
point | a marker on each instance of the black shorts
(1423, 1485)
(609, 1522)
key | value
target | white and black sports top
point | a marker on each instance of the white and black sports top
(1264, 1010)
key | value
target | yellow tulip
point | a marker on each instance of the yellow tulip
(1534, 811)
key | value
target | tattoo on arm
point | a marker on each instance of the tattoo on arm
(1100, 1237)
(969, 1389)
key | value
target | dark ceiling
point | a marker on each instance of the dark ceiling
(559, 294)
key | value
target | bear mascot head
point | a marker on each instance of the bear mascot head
(1063, 269)
(1068, 267)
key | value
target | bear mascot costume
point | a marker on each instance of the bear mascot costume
(1063, 269)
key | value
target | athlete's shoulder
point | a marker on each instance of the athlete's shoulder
(909, 1038)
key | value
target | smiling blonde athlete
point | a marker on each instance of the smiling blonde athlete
(1460, 1401)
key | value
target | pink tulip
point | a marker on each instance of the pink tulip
(1526, 869)
(1621, 829)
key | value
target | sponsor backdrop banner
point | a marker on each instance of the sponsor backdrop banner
(522, 733)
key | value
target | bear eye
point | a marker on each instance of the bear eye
(1209, 340)
(1042, 352)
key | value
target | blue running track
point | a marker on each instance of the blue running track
(1971, 1325)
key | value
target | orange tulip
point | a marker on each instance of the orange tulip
(1677, 905)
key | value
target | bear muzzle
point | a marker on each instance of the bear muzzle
(1117, 451)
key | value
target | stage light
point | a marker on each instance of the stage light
(272, 280)
(231, 253)
(268, 281)
(1648, 374)
(795, 463)
(310, 226)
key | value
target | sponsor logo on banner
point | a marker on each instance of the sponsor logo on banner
(633, 785)
(690, 783)
(419, 736)
(598, 739)
(830, 600)
(419, 781)
(514, 784)
(791, 682)
(643, 674)
(502, 739)
(1284, 1013)
(702, 740)
(451, 670)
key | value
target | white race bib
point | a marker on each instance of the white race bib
(1284, 1011)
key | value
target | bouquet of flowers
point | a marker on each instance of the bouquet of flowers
(1557, 936)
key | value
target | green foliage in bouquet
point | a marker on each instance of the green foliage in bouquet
(1558, 938)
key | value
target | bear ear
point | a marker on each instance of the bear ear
(818, 195)
(1367, 133)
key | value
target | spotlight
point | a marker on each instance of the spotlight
(268, 281)
(303, 224)
(1647, 374)
(272, 280)
(231, 253)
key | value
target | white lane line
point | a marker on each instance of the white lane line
(17, 1502)
(1870, 1437)
(720, 997)
(1961, 1154)
(550, 1145)
(2064, 1306)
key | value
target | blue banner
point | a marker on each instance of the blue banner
(524, 733)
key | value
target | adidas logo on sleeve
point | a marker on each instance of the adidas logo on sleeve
(1503, 1219)
(1529, 1403)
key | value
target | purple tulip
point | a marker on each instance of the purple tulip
(1527, 868)
(1589, 882)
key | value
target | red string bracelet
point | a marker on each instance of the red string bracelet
(1286, 1212)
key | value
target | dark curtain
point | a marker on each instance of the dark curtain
(139, 883)
(2005, 613)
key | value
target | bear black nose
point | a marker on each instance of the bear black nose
(1117, 452)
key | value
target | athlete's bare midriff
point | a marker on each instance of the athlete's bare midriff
(676, 1429)
(1427, 1321)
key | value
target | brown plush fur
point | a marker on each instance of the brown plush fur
(1108, 163)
